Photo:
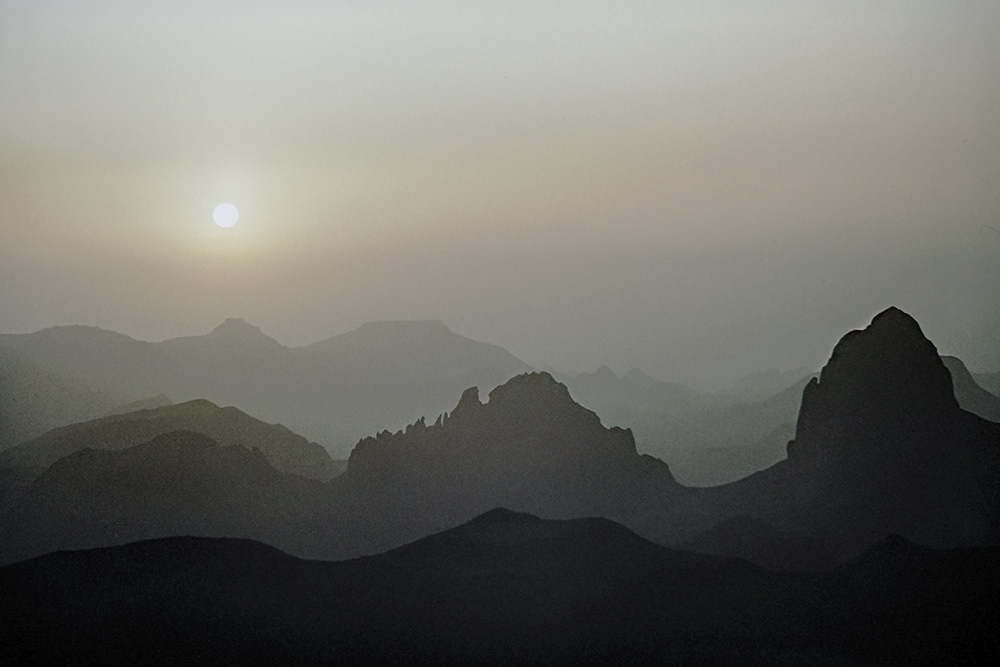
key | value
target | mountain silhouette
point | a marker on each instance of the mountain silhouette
(233, 336)
(382, 375)
(505, 588)
(284, 450)
(886, 372)
(178, 483)
(881, 447)
(531, 447)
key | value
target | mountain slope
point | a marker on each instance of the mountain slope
(502, 589)
(531, 447)
(284, 450)
(970, 396)
(34, 399)
(179, 483)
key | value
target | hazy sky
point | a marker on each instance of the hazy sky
(697, 188)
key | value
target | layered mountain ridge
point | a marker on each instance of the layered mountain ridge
(882, 447)
(504, 588)
(384, 374)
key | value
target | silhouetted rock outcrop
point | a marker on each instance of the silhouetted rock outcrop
(530, 447)
(881, 447)
(887, 372)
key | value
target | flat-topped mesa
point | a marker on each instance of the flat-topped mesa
(886, 372)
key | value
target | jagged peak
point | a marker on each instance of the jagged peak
(468, 401)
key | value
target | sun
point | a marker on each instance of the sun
(225, 215)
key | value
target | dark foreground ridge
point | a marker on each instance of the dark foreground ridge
(505, 588)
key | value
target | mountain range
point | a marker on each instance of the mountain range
(505, 588)
(175, 532)
(386, 375)
(284, 450)
(881, 447)
(382, 375)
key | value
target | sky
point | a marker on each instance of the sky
(697, 189)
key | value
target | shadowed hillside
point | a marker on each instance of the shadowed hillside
(505, 588)
(34, 399)
(286, 451)
(179, 483)
(969, 394)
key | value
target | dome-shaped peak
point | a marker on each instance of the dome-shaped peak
(539, 399)
(533, 386)
(887, 369)
(236, 325)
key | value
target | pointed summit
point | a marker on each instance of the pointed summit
(886, 371)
